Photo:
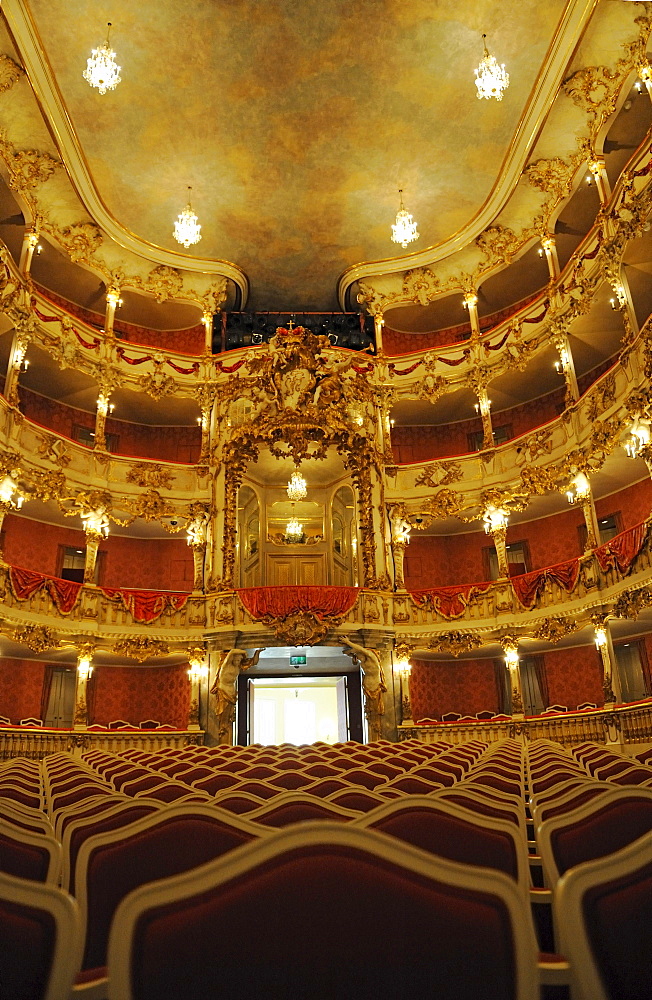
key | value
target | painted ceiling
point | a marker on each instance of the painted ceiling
(295, 123)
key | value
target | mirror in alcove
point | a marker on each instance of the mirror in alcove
(248, 536)
(299, 523)
(342, 535)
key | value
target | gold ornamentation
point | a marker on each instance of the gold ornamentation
(28, 168)
(433, 387)
(554, 629)
(53, 448)
(456, 642)
(150, 506)
(149, 474)
(10, 73)
(499, 244)
(47, 485)
(164, 283)
(602, 397)
(517, 702)
(554, 177)
(450, 472)
(80, 240)
(141, 648)
(301, 628)
(38, 638)
(632, 602)
(421, 285)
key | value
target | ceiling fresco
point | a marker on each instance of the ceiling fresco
(295, 123)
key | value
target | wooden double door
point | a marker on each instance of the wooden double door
(295, 570)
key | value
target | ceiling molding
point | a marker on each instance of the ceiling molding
(42, 80)
(544, 92)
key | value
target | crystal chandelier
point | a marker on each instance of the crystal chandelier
(294, 530)
(297, 487)
(404, 231)
(187, 229)
(101, 70)
(490, 77)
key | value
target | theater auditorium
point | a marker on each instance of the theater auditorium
(325, 500)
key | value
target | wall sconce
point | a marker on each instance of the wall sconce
(24, 365)
(600, 636)
(580, 489)
(636, 439)
(403, 668)
(84, 668)
(197, 670)
(494, 518)
(483, 407)
(10, 495)
(512, 657)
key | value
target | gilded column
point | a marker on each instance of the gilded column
(403, 670)
(103, 408)
(207, 321)
(197, 533)
(197, 673)
(611, 685)
(82, 677)
(17, 362)
(401, 528)
(484, 406)
(113, 300)
(96, 527)
(379, 323)
(566, 365)
(471, 304)
(510, 647)
(495, 524)
(598, 172)
(30, 244)
(580, 492)
(549, 246)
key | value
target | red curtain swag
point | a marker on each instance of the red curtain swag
(449, 602)
(146, 605)
(25, 582)
(279, 602)
(528, 586)
(621, 551)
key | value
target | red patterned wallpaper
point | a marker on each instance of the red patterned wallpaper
(159, 442)
(396, 343)
(21, 685)
(188, 341)
(145, 563)
(634, 504)
(574, 676)
(464, 686)
(135, 694)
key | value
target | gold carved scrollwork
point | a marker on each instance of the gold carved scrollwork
(455, 643)
(439, 474)
(38, 638)
(81, 240)
(28, 168)
(632, 602)
(10, 73)
(149, 474)
(554, 629)
(140, 648)
(301, 628)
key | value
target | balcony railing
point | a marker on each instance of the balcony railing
(22, 741)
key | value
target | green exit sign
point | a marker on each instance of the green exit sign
(298, 661)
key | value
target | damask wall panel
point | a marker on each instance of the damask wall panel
(160, 442)
(463, 686)
(634, 503)
(187, 341)
(35, 544)
(21, 686)
(574, 676)
(422, 443)
(550, 539)
(148, 563)
(528, 416)
(135, 694)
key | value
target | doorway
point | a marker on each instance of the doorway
(61, 703)
(298, 710)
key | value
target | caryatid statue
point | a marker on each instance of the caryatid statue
(225, 687)
(373, 684)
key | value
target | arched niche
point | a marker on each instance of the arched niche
(249, 537)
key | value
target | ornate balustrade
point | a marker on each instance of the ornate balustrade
(624, 724)
(147, 623)
(22, 741)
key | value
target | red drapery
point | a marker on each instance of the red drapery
(622, 550)
(449, 602)
(279, 602)
(528, 586)
(146, 605)
(25, 582)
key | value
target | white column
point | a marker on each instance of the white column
(30, 243)
(82, 676)
(113, 300)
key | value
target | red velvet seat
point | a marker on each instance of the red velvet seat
(28, 855)
(39, 940)
(216, 781)
(602, 826)
(338, 884)
(604, 913)
(297, 808)
(324, 787)
(113, 863)
(357, 799)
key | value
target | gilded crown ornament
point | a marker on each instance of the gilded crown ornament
(101, 71)
(187, 230)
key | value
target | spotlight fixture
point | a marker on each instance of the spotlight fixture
(187, 229)
(404, 230)
(101, 70)
(490, 77)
